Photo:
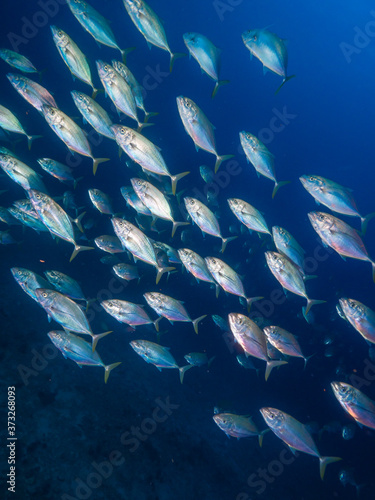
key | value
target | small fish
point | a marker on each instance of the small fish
(65, 285)
(207, 174)
(199, 128)
(126, 271)
(261, 158)
(338, 235)
(172, 254)
(18, 61)
(361, 317)
(109, 243)
(93, 113)
(220, 322)
(79, 351)
(354, 402)
(196, 265)
(32, 92)
(58, 170)
(238, 426)
(9, 122)
(248, 215)
(28, 219)
(101, 201)
(70, 133)
(149, 25)
(246, 362)
(198, 359)
(205, 219)
(6, 217)
(284, 341)
(170, 308)
(21, 173)
(132, 199)
(287, 245)
(207, 56)
(29, 281)
(129, 313)
(270, 50)
(295, 435)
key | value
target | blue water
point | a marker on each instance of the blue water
(67, 419)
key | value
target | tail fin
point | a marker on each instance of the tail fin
(284, 81)
(77, 249)
(96, 338)
(365, 221)
(184, 369)
(96, 163)
(312, 302)
(175, 179)
(196, 321)
(220, 159)
(260, 436)
(156, 323)
(161, 271)
(277, 186)
(108, 369)
(149, 114)
(95, 92)
(31, 138)
(177, 224)
(250, 300)
(271, 365)
(217, 86)
(174, 56)
(324, 461)
(77, 221)
(125, 52)
(225, 241)
(141, 126)
(373, 270)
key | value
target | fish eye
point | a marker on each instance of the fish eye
(44, 294)
(255, 38)
(37, 196)
(106, 67)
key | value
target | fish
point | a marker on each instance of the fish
(126, 271)
(271, 51)
(155, 201)
(289, 277)
(248, 215)
(78, 350)
(29, 281)
(10, 123)
(95, 24)
(56, 219)
(355, 403)
(21, 173)
(361, 317)
(6, 238)
(334, 196)
(198, 359)
(58, 170)
(150, 26)
(199, 128)
(145, 153)
(132, 199)
(287, 245)
(170, 308)
(284, 341)
(138, 244)
(6, 217)
(338, 235)
(109, 243)
(67, 313)
(28, 219)
(228, 279)
(18, 61)
(252, 340)
(93, 113)
(101, 201)
(73, 57)
(261, 158)
(205, 219)
(220, 322)
(207, 56)
(158, 356)
(66, 285)
(196, 265)
(295, 435)
(32, 92)
(129, 313)
(246, 362)
(70, 133)
(207, 174)
(238, 426)
(172, 254)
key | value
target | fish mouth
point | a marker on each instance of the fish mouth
(335, 386)
(303, 180)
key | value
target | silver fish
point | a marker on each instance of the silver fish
(93, 113)
(29, 281)
(18, 61)
(287, 244)
(361, 317)
(355, 403)
(109, 243)
(129, 313)
(58, 170)
(32, 92)
(22, 174)
(126, 271)
(196, 265)
(284, 341)
(238, 426)
(9, 122)
(101, 201)
(248, 215)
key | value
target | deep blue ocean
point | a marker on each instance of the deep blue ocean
(78, 438)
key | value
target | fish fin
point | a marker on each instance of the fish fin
(76, 181)
(108, 369)
(265, 70)
(365, 221)
(95, 92)
(96, 338)
(324, 461)
(175, 179)
(96, 163)
(310, 303)
(293, 450)
(184, 369)
(77, 221)
(306, 359)
(210, 361)
(31, 138)
(217, 86)
(88, 303)
(217, 287)
(250, 300)
(309, 276)
(225, 241)
(277, 186)
(373, 271)
(161, 271)
(77, 249)
(260, 436)
(220, 159)
(284, 81)
(156, 322)
(271, 365)
(148, 115)
(141, 126)
(177, 224)
(125, 52)
(174, 56)
(196, 321)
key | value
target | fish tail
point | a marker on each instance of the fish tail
(309, 276)
(261, 435)
(218, 84)
(76, 181)
(108, 369)
(149, 114)
(306, 359)
(177, 224)
(310, 303)
(125, 52)
(220, 159)
(184, 369)
(250, 300)
(217, 287)
(96, 338)
(156, 323)
(277, 186)
(77, 221)
(88, 303)
(95, 92)
(324, 461)
(77, 249)
(196, 321)
(284, 81)
(373, 271)
(174, 56)
(271, 365)
(365, 221)
(210, 361)
(96, 163)
(141, 126)
(225, 242)
(175, 179)
(161, 271)
(31, 138)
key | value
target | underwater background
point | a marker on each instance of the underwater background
(74, 433)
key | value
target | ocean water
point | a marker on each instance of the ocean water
(143, 435)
